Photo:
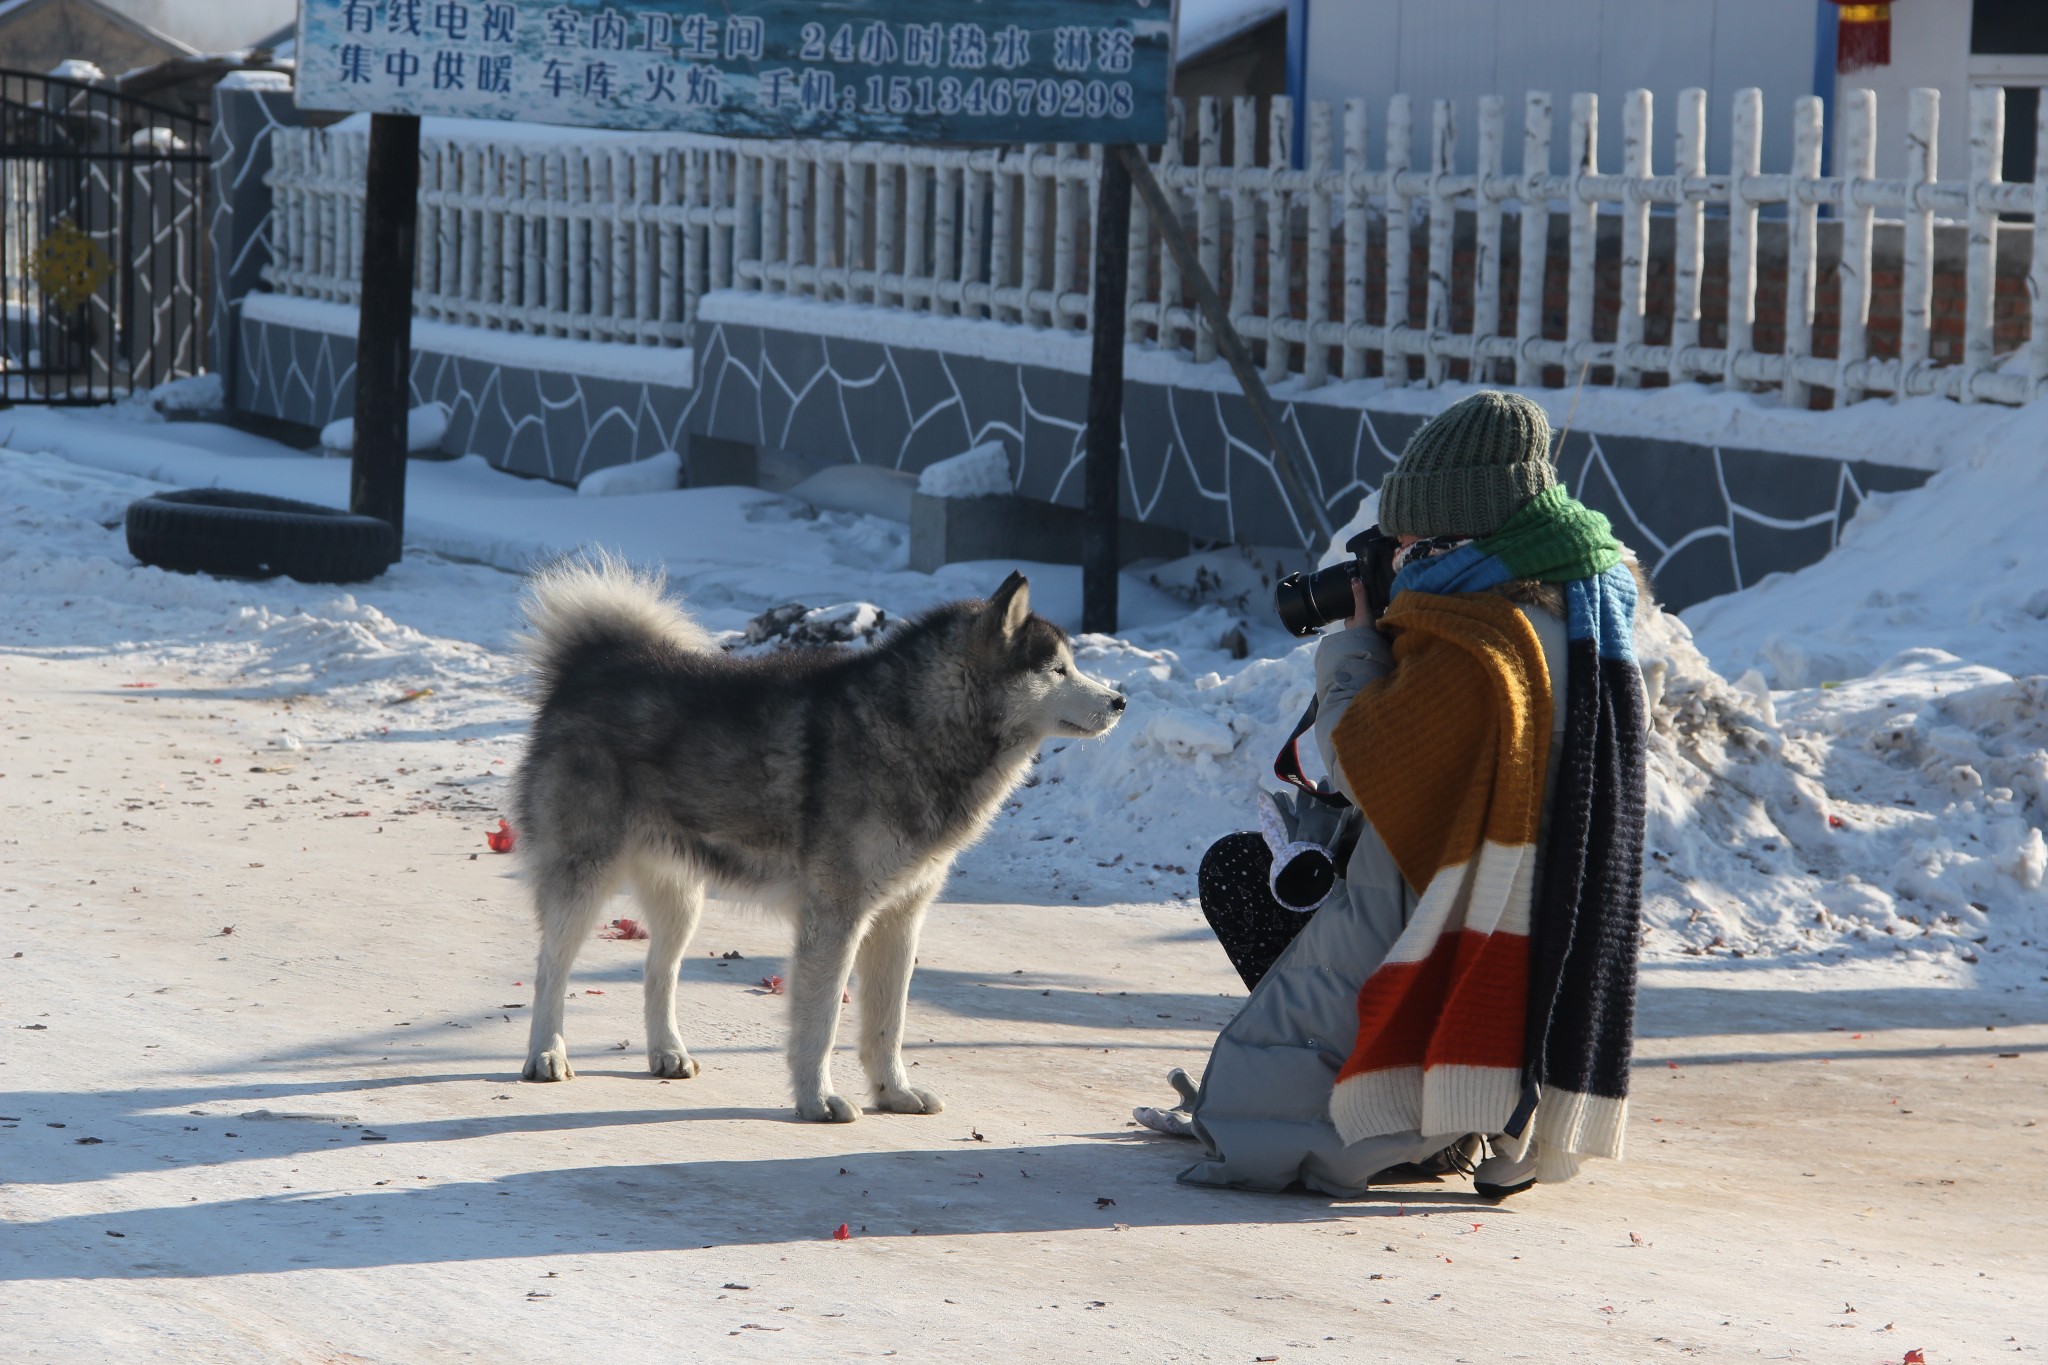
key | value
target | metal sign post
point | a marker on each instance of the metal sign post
(376, 485)
(1102, 469)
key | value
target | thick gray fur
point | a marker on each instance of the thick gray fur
(835, 787)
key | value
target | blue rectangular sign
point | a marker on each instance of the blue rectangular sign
(888, 70)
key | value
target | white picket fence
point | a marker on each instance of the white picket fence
(615, 238)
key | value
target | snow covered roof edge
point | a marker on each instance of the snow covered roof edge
(1206, 25)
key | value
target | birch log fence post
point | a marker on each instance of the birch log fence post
(1208, 208)
(1244, 205)
(1745, 160)
(1486, 240)
(1357, 221)
(1688, 234)
(1436, 311)
(1980, 264)
(1857, 164)
(1916, 294)
(1801, 243)
(1534, 254)
(1279, 236)
(1582, 212)
(1400, 144)
(1635, 238)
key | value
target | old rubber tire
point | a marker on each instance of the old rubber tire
(248, 535)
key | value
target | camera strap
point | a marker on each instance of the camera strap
(1287, 763)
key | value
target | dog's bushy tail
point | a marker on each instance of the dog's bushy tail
(593, 598)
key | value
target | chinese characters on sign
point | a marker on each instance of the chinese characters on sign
(922, 70)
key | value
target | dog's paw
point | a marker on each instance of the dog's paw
(909, 1099)
(672, 1061)
(826, 1109)
(549, 1064)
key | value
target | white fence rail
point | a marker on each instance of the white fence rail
(616, 239)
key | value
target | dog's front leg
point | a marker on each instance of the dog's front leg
(886, 958)
(825, 940)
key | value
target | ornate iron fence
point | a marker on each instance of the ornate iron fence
(101, 242)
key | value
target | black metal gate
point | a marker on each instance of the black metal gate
(102, 242)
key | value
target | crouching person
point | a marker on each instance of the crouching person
(1466, 997)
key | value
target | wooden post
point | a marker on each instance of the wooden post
(384, 319)
(1102, 473)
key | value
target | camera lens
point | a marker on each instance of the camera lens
(1305, 603)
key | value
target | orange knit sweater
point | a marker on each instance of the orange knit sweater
(1447, 758)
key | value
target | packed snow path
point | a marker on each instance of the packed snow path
(261, 1103)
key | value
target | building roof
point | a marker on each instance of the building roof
(17, 9)
(1208, 24)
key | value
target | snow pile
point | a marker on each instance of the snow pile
(861, 489)
(979, 473)
(655, 474)
(425, 425)
(74, 589)
(201, 393)
(1901, 810)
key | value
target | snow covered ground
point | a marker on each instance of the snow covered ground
(1873, 785)
(1847, 822)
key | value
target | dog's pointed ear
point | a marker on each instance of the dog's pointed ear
(1012, 603)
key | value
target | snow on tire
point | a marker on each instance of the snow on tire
(249, 535)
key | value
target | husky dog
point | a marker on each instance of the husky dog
(835, 787)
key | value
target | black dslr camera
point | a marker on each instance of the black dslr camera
(1308, 602)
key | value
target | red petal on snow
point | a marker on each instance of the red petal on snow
(843, 1232)
(502, 838)
(1915, 1357)
(1834, 822)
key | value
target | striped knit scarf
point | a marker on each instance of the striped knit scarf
(1503, 998)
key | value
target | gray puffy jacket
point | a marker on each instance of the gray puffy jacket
(1264, 1109)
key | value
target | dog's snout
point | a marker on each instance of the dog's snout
(1116, 704)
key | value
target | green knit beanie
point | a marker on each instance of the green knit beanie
(1469, 468)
